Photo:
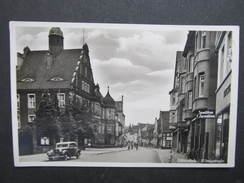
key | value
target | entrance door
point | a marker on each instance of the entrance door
(25, 144)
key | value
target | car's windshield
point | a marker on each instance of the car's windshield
(62, 145)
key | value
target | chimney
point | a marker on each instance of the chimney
(26, 51)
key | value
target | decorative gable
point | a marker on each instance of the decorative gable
(56, 79)
(27, 80)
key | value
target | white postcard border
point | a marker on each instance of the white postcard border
(234, 92)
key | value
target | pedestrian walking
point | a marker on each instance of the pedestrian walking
(136, 145)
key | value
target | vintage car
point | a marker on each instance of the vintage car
(64, 151)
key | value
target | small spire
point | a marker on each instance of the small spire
(108, 89)
(83, 39)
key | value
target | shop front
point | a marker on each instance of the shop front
(202, 136)
(222, 134)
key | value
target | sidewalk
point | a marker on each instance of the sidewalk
(168, 156)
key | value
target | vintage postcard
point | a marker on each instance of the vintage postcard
(120, 95)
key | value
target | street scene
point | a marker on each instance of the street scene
(123, 95)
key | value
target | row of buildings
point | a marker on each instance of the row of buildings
(200, 98)
(152, 135)
(64, 76)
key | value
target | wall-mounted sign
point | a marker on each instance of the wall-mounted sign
(206, 114)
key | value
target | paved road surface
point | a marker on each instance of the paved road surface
(142, 155)
(131, 156)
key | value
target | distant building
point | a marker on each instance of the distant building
(177, 123)
(164, 133)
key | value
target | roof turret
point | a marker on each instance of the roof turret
(108, 101)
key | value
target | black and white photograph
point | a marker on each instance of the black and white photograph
(123, 95)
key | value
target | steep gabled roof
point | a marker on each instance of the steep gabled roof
(35, 67)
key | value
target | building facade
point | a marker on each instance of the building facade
(223, 46)
(204, 98)
(61, 81)
(200, 98)
(164, 133)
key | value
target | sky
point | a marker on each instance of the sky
(136, 63)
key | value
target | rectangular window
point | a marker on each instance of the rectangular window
(173, 117)
(196, 41)
(85, 71)
(229, 42)
(31, 100)
(45, 141)
(173, 100)
(18, 119)
(222, 61)
(190, 100)
(85, 87)
(195, 88)
(31, 118)
(109, 129)
(18, 101)
(191, 63)
(228, 59)
(203, 42)
(61, 99)
(201, 84)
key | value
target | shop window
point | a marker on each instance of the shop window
(61, 100)
(219, 137)
(31, 100)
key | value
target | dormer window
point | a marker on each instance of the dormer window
(27, 80)
(57, 79)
